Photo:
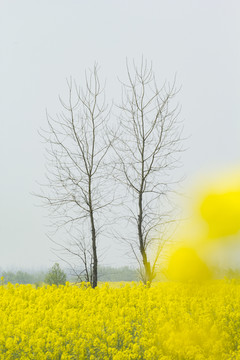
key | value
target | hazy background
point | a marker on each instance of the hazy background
(44, 42)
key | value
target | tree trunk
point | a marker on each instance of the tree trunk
(94, 253)
(146, 264)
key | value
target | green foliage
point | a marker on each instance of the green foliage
(55, 276)
(124, 273)
(22, 277)
(38, 278)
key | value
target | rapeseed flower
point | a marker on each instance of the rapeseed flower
(167, 321)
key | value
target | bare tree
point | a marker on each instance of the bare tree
(77, 145)
(148, 141)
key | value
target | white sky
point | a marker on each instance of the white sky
(44, 42)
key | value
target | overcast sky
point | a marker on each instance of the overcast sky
(44, 42)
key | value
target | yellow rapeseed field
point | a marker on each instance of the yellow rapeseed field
(167, 321)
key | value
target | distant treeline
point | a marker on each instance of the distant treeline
(105, 274)
(23, 277)
(117, 274)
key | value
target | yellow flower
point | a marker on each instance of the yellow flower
(167, 321)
